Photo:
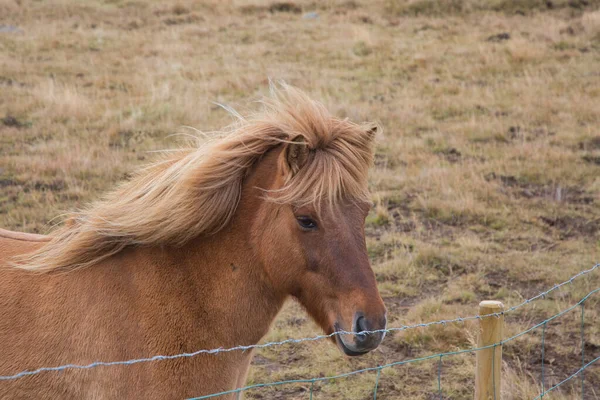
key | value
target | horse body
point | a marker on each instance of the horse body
(140, 303)
(221, 289)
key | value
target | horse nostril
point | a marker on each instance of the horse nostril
(360, 325)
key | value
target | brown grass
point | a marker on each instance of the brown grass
(487, 178)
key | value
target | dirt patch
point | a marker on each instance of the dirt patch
(401, 350)
(127, 138)
(4, 81)
(503, 279)
(512, 185)
(498, 279)
(382, 250)
(517, 132)
(405, 219)
(569, 226)
(451, 154)
(13, 122)
(528, 243)
(52, 186)
(55, 185)
(385, 161)
(434, 8)
(285, 392)
(593, 159)
(400, 305)
(180, 9)
(592, 144)
(500, 37)
(183, 19)
(401, 219)
(6, 182)
(276, 7)
(285, 6)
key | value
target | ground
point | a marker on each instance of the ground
(487, 176)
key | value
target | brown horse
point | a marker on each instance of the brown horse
(197, 251)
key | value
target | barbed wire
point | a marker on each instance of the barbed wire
(292, 341)
(414, 360)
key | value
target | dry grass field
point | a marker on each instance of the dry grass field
(487, 175)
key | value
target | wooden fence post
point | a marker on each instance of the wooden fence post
(489, 361)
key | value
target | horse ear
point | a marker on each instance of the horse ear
(372, 131)
(296, 154)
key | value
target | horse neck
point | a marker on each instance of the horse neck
(233, 287)
(233, 296)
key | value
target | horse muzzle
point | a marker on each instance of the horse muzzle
(366, 335)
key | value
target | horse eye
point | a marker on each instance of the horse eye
(306, 223)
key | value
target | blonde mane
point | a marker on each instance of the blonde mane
(195, 191)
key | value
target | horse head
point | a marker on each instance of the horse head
(307, 229)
